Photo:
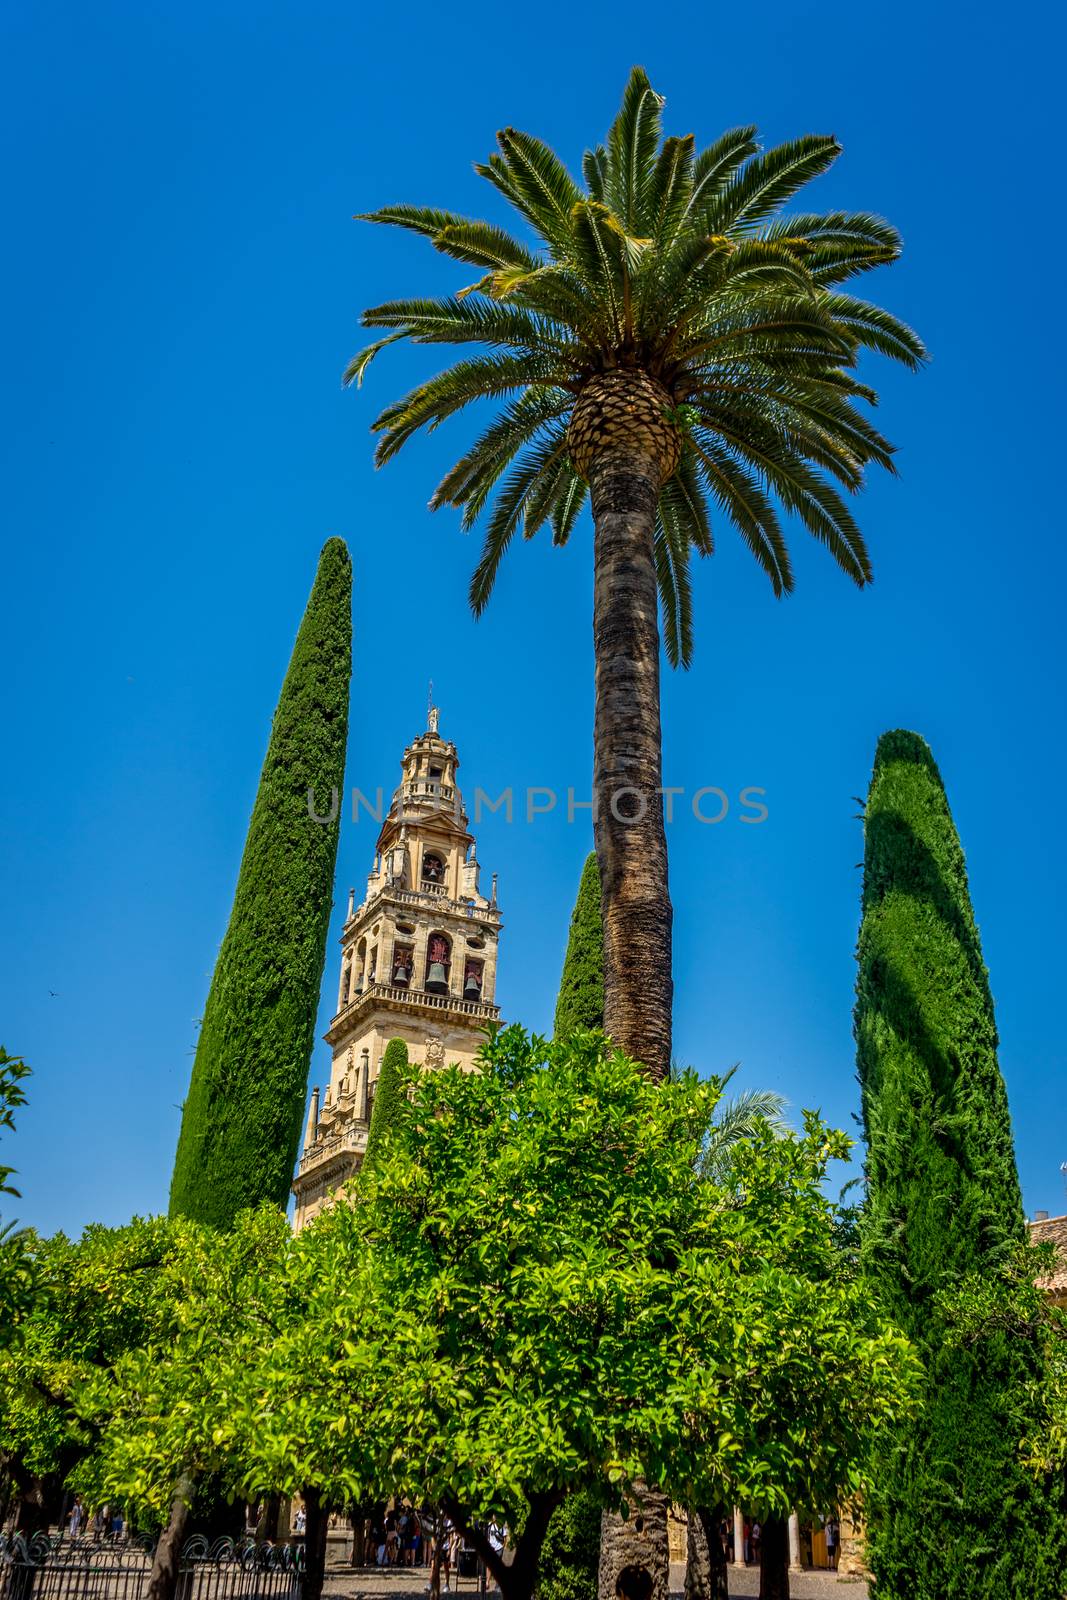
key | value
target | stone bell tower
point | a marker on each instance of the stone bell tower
(418, 963)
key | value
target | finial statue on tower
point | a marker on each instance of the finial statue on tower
(432, 713)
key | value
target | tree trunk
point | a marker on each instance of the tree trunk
(518, 1578)
(31, 1516)
(774, 1560)
(164, 1579)
(631, 849)
(316, 1528)
(638, 1540)
(631, 845)
(267, 1521)
(706, 1576)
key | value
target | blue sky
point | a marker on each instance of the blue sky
(183, 285)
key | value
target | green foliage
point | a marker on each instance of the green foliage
(12, 1095)
(570, 1555)
(1013, 1303)
(681, 265)
(241, 1122)
(388, 1095)
(177, 1401)
(89, 1301)
(534, 1290)
(580, 1003)
(954, 1510)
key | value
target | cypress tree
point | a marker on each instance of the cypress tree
(388, 1095)
(580, 1003)
(241, 1121)
(953, 1514)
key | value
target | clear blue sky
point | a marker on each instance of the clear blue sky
(183, 283)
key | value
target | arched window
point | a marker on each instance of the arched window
(472, 979)
(433, 868)
(438, 963)
(403, 961)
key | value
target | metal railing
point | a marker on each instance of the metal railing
(420, 997)
(90, 1569)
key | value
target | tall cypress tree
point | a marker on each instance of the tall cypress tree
(388, 1095)
(580, 1003)
(953, 1514)
(241, 1121)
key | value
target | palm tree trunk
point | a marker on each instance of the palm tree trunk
(706, 1573)
(631, 849)
(631, 845)
(639, 1540)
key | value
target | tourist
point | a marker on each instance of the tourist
(831, 1543)
(77, 1517)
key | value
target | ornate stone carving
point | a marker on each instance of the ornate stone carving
(435, 1051)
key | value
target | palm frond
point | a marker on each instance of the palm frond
(472, 320)
(470, 481)
(714, 167)
(506, 517)
(358, 365)
(769, 180)
(876, 329)
(537, 183)
(670, 554)
(670, 188)
(416, 219)
(594, 171)
(567, 507)
(633, 141)
(482, 245)
(740, 494)
(441, 397)
(808, 496)
(737, 1121)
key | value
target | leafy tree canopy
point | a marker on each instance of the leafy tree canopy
(12, 1095)
(175, 1405)
(86, 1302)
(533, 1289)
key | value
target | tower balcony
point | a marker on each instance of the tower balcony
(433, 895)
(333, 1150)
(394, 996)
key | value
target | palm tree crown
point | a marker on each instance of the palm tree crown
(669, 301)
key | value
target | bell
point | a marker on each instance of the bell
(402, 974)
(472, 989)
(437, 980)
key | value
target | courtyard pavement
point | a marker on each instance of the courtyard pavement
(397, 1584)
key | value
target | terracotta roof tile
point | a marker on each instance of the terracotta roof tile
(1053, 1230)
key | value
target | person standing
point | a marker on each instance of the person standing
(832, 1542)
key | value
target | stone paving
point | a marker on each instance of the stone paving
(342, 1584)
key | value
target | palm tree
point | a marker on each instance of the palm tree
(664, 341)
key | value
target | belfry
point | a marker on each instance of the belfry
(418, 963)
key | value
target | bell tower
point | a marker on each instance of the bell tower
(418, 963)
